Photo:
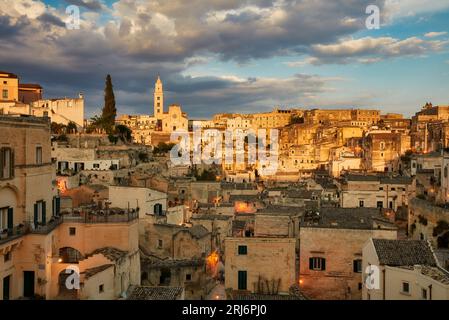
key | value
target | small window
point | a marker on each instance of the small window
(360, 286)
(357, 265)
(72, 231)
(38, 155)
(188, 277)
(159, 243)
(393, 189)
(243, 250)
(101, 288)
(361, 203)
(318, 264)
(6, 163)
(405, 287)
(5, 82)
(96, 166)
(380, 204)
(5, 94)
(7, 257)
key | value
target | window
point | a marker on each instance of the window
(5, 82)
(424, 294)
(7, 256)
(38, 155)
(40, 214)
(6, 163)
(5, 94)
(242, 280)
(393, 189)
(96, 166)
(3, 218)
(380, 204)
(357, 265)
(361, 203)
(6, 218)
(318, 264)
(405, 287)
(159, 243)
(157, 209)
(72, 231)
(243, 250)
(188, 277)
(101, 288)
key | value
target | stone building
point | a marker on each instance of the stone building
(382, 150)
(375, 191)
(38, 242)
(331, 243)
(260, 264)
(403, 270)
(188, 274)
(428, 221)
(428, 115)
(264, 261)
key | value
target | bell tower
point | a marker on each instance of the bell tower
(158, 99)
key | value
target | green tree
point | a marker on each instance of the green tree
(294, 119)
(72, 127)
(124, 133)
(109, 111)
(57, 128)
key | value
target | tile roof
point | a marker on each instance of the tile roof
(197, 231)
(404, 252)
(281, 210)
(210, 217)
(436, 273)
(171, 263)
(346, 218)
(155, 293)
(95, 270)
(236, 295)
(113, 254)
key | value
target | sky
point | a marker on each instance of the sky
(219, 56)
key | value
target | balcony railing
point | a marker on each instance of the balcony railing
(101, 216)
(83, 216)
(13, 234)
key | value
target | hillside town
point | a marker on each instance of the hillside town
(357, 207)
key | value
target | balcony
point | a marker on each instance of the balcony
(12, 234)
(111, 215)
(52, 224)
(24, 229)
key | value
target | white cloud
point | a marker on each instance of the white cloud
(405, 8)
(371, 50)
(435, 34)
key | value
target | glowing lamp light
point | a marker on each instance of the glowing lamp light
(60, 260)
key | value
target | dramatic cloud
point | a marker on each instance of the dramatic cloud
(369, 50)
(88, 4)
(135, 39)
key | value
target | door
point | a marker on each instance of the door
(6, 287)
(242, 279)
(28, 284)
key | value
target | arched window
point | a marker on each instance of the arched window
(70, 255)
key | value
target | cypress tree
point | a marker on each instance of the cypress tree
(109, 110)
